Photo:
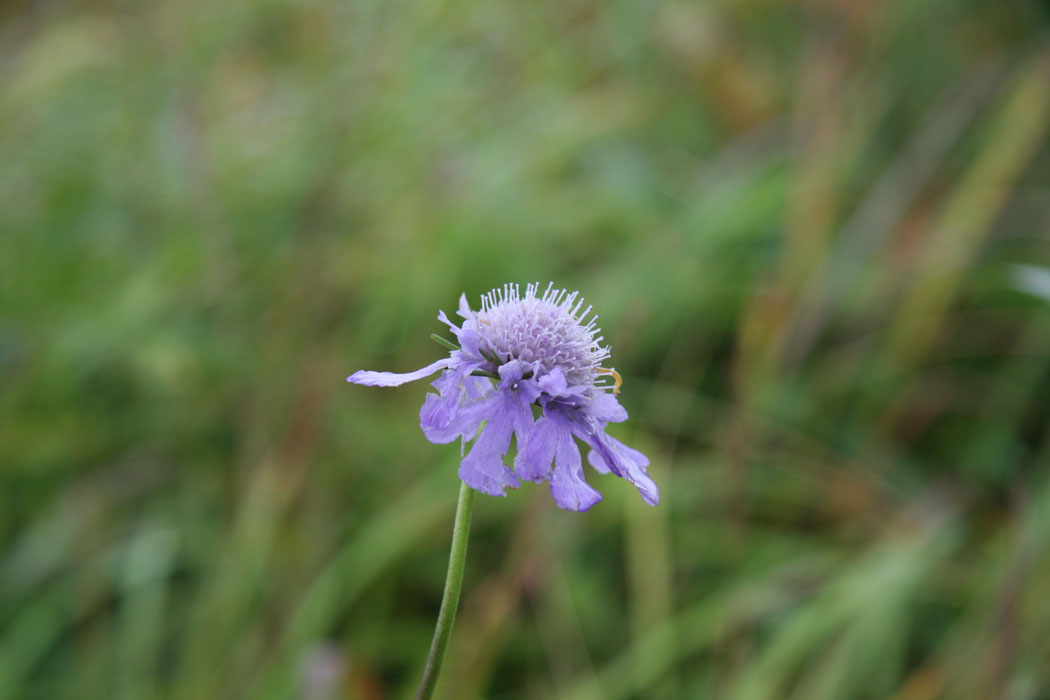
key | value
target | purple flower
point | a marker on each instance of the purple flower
(527, 366)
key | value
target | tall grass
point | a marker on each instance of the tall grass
(801, 224)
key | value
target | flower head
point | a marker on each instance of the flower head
(528, 366)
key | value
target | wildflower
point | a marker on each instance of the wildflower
(529, 367)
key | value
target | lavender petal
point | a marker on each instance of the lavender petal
(536, 451)
(609, 454)
(605, 408)
(370, 378)
(483, 468)
(568, 487)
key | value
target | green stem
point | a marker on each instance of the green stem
(450, 599)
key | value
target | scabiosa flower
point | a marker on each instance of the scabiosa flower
(528, 366)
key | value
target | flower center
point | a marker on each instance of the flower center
(547, 331)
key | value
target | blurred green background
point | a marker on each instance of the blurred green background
(818, 236)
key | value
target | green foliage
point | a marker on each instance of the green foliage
(816, 234)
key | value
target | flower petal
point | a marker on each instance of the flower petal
(454, 382)
(483, 468)
(555, 385)
(554, 382)
(511, 373)
(369, 378)
(596, 461)
(568, 487)
(512, 384)
(444, 420)
(609, 454)
(606, 408)
(536, 451)
(444, 319)
(464, 307)
(476, 387)
(460, 407)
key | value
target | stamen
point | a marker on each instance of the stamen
(551, 329)
(617, 379)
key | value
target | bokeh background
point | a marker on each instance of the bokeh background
(818, 236)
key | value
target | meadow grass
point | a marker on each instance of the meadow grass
(801, 225)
